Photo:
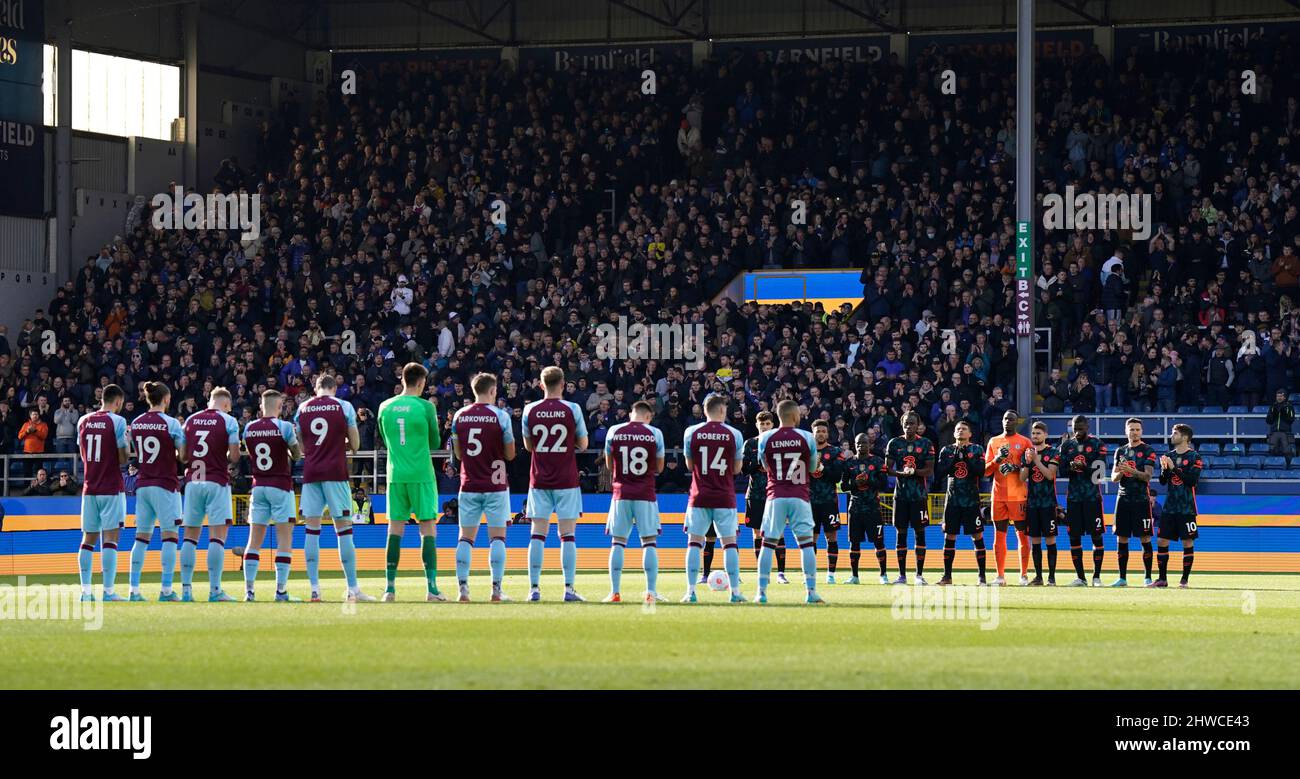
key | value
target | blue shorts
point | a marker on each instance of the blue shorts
(269, 505)
(565, 504)
(783, 512)
(494, 506)
(207, 499)
(100, 513)
(318, 496)
(699, 519)
(156, 505)
(623, 514)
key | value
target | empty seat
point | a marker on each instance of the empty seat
(1257, 447)
(1217, 461)
(1215, 473)
(1259, 410)
(1250, 473)
(1253, 461)
(1114, 410)
(1238, 410)
(1234, 449)
(1189, 409)
(1294, 397)
(1275, 463)
(1209, 449)
(1212, 410)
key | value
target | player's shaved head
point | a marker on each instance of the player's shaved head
(642, 411)
(552, 378)
(271, 400)
(219, 399)
(715, 407)
(788, 411)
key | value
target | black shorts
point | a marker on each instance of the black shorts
(962, 519)
(865, 526)
(1084, 518)
(754, 512)
(909, 513)
(1133, 519)
(1178, 527)
(1042, 521)
(826, 518)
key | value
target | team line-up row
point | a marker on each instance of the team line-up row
(794, 480)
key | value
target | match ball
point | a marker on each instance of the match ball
(718, 581)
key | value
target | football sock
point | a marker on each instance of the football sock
(1188, 556)
(536, 551)
(1038, 559)
(1122, 553)
(808, 562)
(980, 555)
(216, 563)
(392, 558)
(1051, 561)
(168, 563)
(108, 564)
(765, 565)
(138, 549)
(188, 552)
(832, 554)
(311, 553)
(616, 566)
(497, 560)
(569, 558)
(1098, 554)
(429, 559)
(949, 552)
(758, 545)
(780, 555)
(1000, 551)
(464, 551)
(1076, 554)
(283, 559)
(251, 562)
(1146, 557)
(901, 554)
(1022, 546)
(650, 562)
(920, 554)
(731, 561)
(708, 556)
(855, 556)
(348, 557)
(882, 557)
(85, 565)
(692, 564)
(1162, 557)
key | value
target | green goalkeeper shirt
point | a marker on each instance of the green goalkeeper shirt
(409, 428)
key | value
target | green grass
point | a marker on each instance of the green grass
(1044, 638)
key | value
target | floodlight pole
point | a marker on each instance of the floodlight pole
(1024, 298)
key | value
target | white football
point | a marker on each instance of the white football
(718, 580)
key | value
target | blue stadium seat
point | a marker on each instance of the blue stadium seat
(1212, 410)
(1259, 410)
(1234, 449)
(1275, 463)
(1189, 409)
(1209, 449)
(1215, 461)
(1238, 409)
(1251, 462)
(1251, 473)
(1114, 410)
(1294, 397)
(1257, 447)
(1215, 473)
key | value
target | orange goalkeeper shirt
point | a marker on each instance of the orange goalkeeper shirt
(1008, 487)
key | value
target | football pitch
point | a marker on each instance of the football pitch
(1230, 631)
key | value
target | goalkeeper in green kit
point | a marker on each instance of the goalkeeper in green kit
(408, 425)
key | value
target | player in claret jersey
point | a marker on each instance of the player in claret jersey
(634, 452)
(554, 431)
(962, 463)
(1041, 508)
(714, 455)
(272, 446)
(1135, 463)
(327, 428)
(825, 499)
(408, 426)
(1085, 457)
(864, 479)
(909, 458)
(1004, 459)
(788, 455)
(1180, 470)
(756, 494)
(158, 443)
(211, 445)
(483, 443)
(101, 439)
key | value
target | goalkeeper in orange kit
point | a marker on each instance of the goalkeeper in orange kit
(1003, 458)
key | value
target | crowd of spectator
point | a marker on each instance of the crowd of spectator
(379, 246)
